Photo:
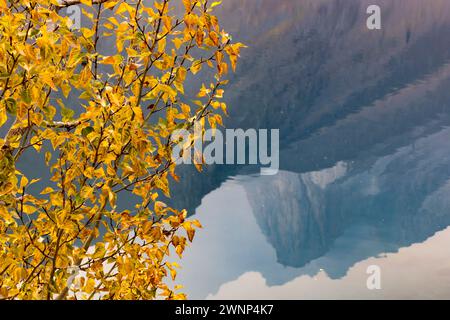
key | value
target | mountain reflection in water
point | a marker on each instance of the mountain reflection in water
(364, 119)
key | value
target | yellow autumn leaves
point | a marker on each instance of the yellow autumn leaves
(103, 120)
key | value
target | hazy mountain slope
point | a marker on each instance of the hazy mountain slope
(335, 89)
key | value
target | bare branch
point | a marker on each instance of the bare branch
(68, 3)
(63, 125)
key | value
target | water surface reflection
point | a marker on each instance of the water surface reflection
(364, 122)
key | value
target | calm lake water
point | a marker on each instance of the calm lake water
(364, 119)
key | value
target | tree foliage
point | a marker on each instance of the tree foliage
(104, 123)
